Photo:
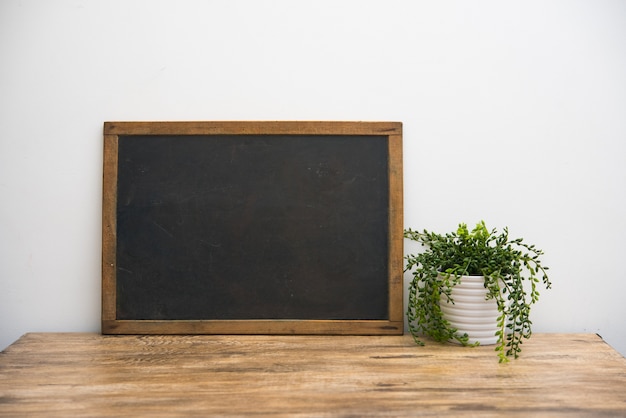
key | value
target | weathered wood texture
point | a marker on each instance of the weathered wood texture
(93, 375)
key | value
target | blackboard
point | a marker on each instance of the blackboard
(252, 227)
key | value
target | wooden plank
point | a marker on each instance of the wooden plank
(255, 327)
(252, 127)
(92, 375)
(109, 227)
(396, 219)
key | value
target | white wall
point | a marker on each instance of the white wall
(513, 112)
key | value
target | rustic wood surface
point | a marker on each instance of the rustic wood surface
(92, 375)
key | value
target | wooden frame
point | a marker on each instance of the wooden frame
(114, 321)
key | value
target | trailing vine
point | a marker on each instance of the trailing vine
(506, 264)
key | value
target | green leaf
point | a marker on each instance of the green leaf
(506, 264)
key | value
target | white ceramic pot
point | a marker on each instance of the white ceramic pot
(471, 313)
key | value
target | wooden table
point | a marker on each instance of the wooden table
(92, 375)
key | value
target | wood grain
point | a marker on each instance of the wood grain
(252, 127)
(109, 226)
(396, 225)
(93, 375)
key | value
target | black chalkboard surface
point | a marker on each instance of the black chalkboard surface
(252, 227)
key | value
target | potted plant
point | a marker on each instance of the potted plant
(508, 271)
